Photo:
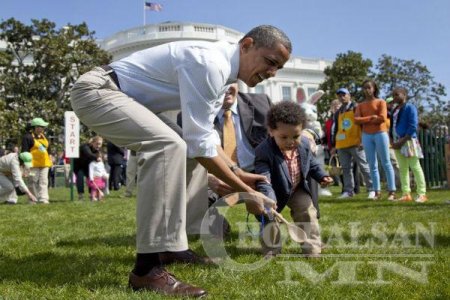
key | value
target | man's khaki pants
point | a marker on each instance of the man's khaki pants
(166, 178)
(7, 191)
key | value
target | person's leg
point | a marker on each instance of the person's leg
(197, 196)
(304, 214)
(131, 175)
(355, 171)
(7, 190)
(395, 166)
(414, 164)
(360, 158)
(161, 199)
(404, 172)
(33, 181)
(112, 179)
(161, 196)
(345, 159)
(270, 239)
(93, 195)
(197, 187)
(117, 172)
(382, 148)
(80, 183)
(42, 184)
(67, 175)
(371, 156)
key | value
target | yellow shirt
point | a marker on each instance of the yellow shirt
(41, 159)
(348, 133)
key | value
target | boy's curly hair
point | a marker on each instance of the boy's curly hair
(286, 112)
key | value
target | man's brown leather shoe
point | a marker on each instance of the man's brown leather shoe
(187, 256)
(161, 281)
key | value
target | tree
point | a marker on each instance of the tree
(38, 68)
(423, 91)
(348, 70)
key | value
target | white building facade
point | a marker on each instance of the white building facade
(298, 72)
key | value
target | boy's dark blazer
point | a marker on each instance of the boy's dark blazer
(270, 162)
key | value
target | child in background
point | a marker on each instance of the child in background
(98, 177)
(287, 161)
(406, 145)
(371, 114)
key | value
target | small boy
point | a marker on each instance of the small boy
(287, 161)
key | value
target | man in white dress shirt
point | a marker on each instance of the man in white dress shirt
(120, 102)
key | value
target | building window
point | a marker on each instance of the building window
(286, 93)
(259, 89)
(311, 91)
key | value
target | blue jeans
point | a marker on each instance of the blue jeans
(379, 143)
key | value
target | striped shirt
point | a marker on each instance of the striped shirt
(189, 75)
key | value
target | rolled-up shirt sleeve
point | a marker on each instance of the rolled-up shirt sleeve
(201, 91)
(17, 176)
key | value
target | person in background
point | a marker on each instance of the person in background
(98, 178)
(131, 176)
(371, 114)
(347, 142)
(37, 144)
(88, 153)
(328, 137)
(407, 148)
(248, 113)
(115, 162)
(65, 162)
(51, 171)
(11, 181)
(390, 104)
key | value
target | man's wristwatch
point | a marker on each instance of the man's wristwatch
(234, 167)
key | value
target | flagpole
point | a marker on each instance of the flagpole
(143, 6)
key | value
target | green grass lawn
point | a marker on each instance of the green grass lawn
(375, 250)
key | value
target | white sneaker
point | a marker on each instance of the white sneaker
(345, 195)
(372, 195)
(324, 192)
(421, 199)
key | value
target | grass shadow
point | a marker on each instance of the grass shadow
(110, 241)
(54, 269)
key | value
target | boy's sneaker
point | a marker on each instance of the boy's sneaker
(372, 195)
(391, 196)
(421, 199)
(405, 198)
(345, 195)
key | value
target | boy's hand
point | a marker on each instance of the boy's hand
(326, 181)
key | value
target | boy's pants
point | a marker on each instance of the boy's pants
(304, 215)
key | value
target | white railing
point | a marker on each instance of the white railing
(175, 31)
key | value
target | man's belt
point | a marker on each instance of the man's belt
(110, 72)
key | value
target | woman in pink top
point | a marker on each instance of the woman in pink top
(372, 115)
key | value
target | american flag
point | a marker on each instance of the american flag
(153, 6)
